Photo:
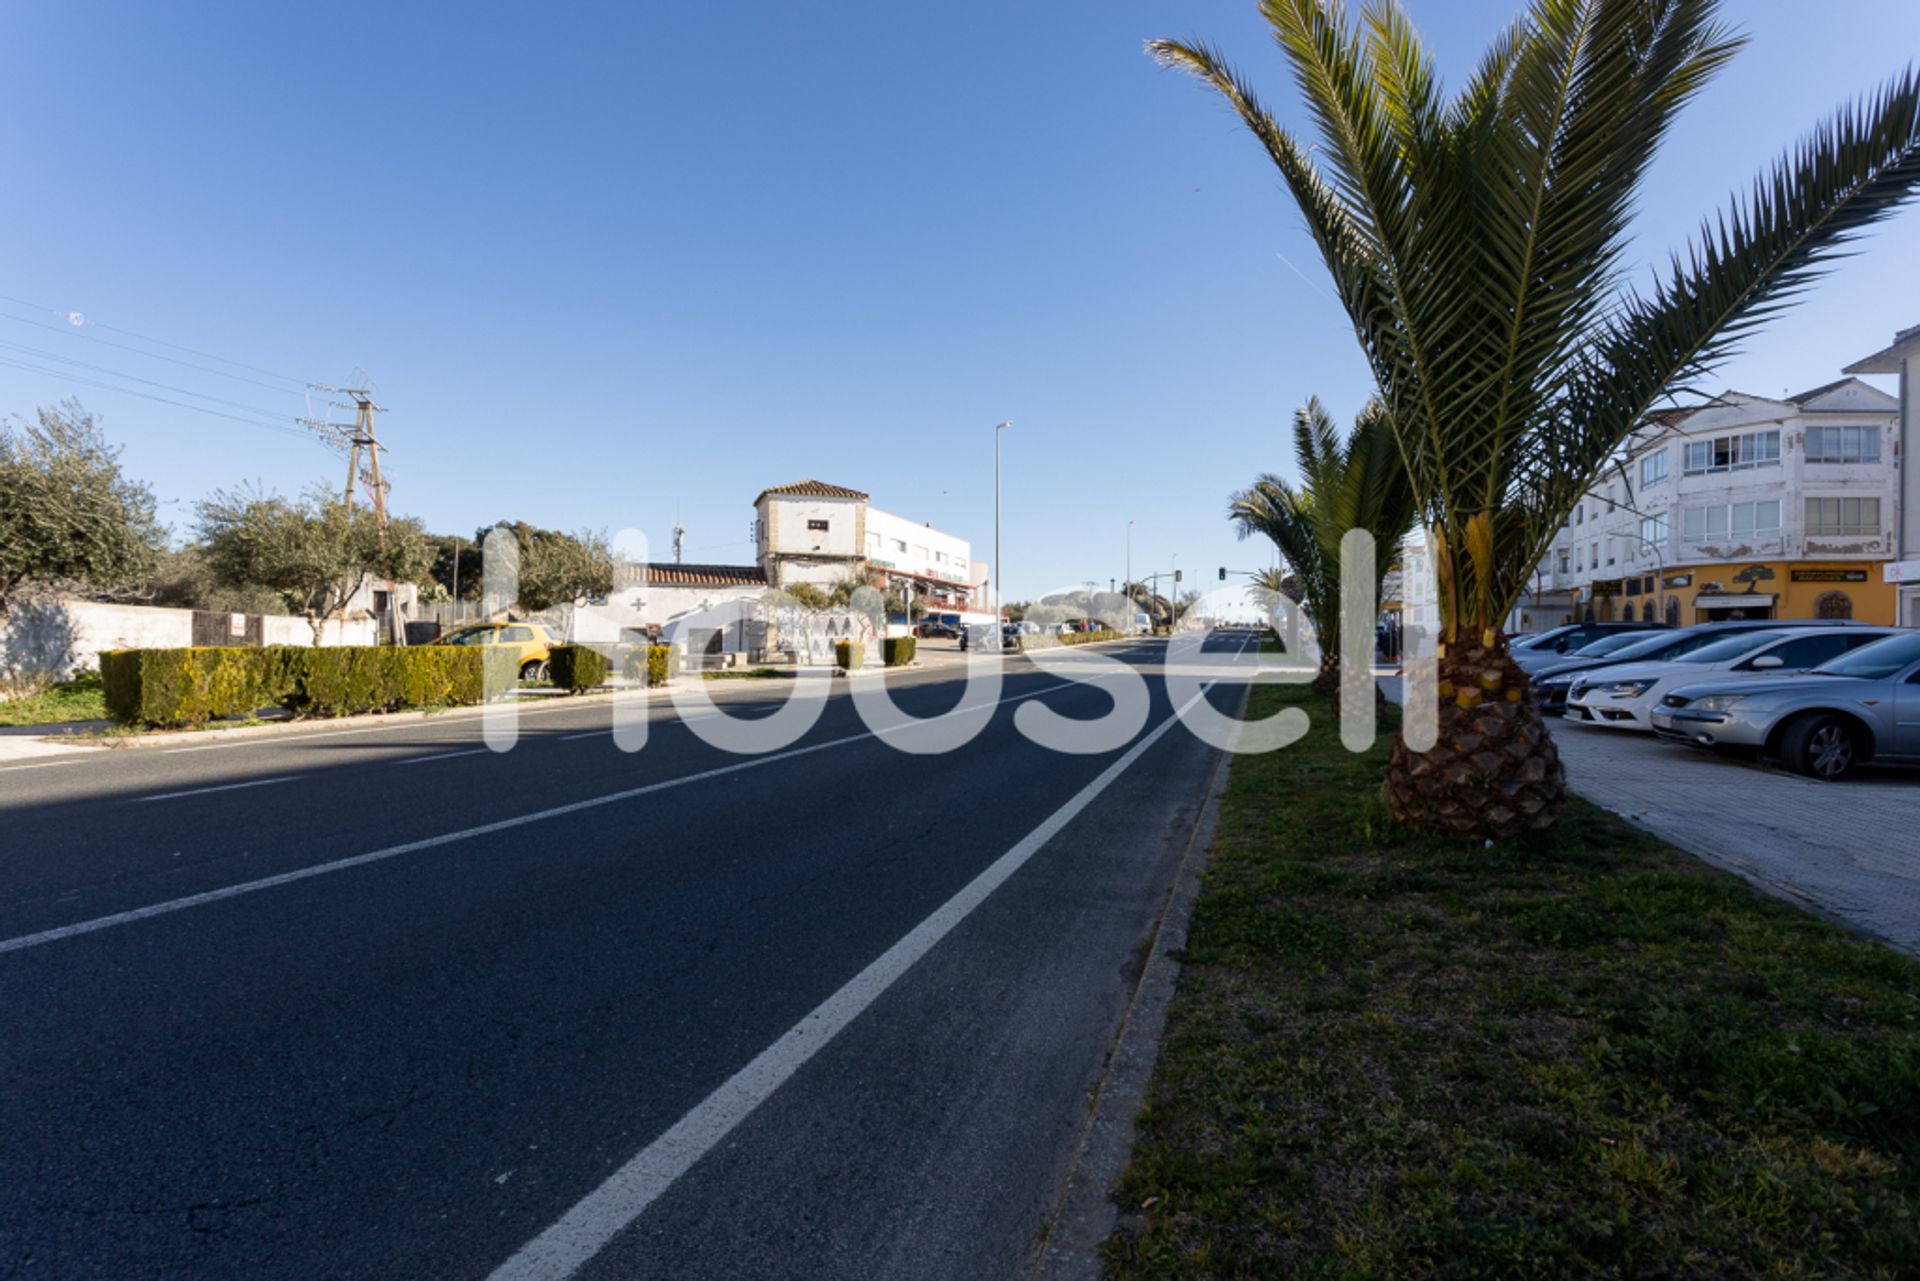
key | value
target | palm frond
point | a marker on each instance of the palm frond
(1477, 246)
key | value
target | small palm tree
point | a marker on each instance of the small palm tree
(1358, 484)
(1477, 244)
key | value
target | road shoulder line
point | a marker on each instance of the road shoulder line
(1084, 1215)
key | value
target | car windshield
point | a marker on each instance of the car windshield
(1545, 640)
(473, 636)
(1610, 644)
(1666, 644)
(1731, 647)
(1875, 661)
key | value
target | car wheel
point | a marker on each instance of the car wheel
(534, 673)
(1821, 747)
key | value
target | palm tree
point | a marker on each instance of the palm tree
(1361, 484)
(1478, 244)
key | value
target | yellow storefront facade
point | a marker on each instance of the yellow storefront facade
(1811, 590)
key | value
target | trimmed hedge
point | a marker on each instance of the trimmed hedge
(577, 668)
(1052, 640)
(342, 680)
(849, 654)
(188, 686)
(663, 662)
(897, 650)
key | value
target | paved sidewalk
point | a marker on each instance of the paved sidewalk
(1849, 851)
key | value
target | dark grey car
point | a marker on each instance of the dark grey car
(1550, 684)
(1862, 706)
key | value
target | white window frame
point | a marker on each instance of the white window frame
(1846, 444)
(1741, 452)
(1842, 526)
(1728, 524)
(1654, 469)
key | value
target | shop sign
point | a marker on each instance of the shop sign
(1829, 575)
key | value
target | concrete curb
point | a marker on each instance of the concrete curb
(1084, 1215)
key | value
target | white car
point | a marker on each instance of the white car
(1624, 696)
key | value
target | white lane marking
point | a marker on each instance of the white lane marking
(14, 769)
(224, 787)
(581, 1232)
(442, 756)
(432, 842)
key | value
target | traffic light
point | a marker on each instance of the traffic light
(1177, 573)
(1223, 573)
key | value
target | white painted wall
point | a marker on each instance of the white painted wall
(66, 635)
(894, 542)
(651, 605)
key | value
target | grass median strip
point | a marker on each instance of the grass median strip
(1577, 1053)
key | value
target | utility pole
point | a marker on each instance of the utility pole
(362, 435)
(999, 588)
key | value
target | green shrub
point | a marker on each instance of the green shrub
(848, 655)
(897, 650)
(663, 662)
(188, 686)
(576, 668)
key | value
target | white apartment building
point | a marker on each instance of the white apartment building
(1744, 507)
(813, 532)
(1902, 573)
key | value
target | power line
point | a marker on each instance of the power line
(191, 351)
(115, 373)
(10, 363)
(71, 332)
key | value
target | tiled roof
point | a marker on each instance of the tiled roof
(706, 576)
(811, 489)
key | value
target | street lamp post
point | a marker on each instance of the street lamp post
(1128, 580)
(999, 598)
(1660, 569)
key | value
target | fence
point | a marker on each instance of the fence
(60, 636)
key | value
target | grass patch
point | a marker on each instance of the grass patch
(81, 699)
(745, 674)
(1580, 1053)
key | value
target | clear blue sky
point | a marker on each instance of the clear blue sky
(608, 264)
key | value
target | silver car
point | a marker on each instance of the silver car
(1862, 706)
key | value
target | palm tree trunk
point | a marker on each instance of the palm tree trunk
(1327, 679)
(1494, 771)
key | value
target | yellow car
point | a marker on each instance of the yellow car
(534, 643)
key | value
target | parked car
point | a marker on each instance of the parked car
(1861, 706)
(934, 628)
(1550, 684)
(1537, 653)
(533, 641)
(1624, 697)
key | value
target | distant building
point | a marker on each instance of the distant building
(816, 533)
(1744, 507)
(1902, 573)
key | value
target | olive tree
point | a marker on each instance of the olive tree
(69, 518)
(314, 552)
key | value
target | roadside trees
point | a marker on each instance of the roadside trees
(68, 516)
(315, 552)
(1478, 245)
(558, 568)
(1360, 483)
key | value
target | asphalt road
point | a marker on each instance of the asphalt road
(379, 1002)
